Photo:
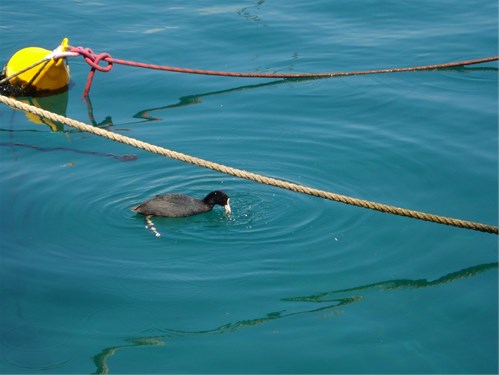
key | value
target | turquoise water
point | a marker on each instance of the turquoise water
(288, 283)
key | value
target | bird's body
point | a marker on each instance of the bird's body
(180, 205)
(172, 205)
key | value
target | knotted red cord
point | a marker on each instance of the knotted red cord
(93, 60)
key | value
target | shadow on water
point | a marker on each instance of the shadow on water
(331, 303)
(392, 285)
(125, 157)
(58, 104)
(185, 101)
(53, 104)
(197, 99)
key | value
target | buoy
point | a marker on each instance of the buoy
(49, 73)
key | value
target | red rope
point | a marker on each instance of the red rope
(94, 60)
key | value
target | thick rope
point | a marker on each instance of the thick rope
(248, 175)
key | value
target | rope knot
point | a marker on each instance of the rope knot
(93, 59)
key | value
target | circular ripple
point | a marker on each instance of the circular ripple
(35, 348)
(74, 206)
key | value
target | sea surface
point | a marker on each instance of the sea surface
(288, 283)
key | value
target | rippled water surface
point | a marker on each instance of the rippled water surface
(288, 283)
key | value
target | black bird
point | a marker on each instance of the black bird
(180, 205)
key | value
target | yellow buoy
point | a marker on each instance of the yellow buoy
(48, 75)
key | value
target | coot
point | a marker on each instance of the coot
(180, 205)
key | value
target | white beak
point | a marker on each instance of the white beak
(227, 208)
